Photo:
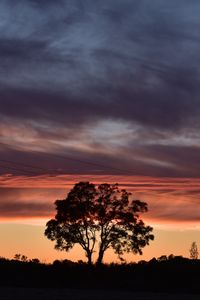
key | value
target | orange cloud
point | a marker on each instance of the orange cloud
(171, 201)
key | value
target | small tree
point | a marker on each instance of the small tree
(17, 256)
(21, 257)
(194, 251)
(101, 215)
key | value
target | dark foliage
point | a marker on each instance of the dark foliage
(194, 251)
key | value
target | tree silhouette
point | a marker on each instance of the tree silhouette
(194, 251)
(17, 256)
(101, 215)
(20, 257)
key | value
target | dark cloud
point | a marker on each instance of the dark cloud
(25, 210)
(28, 202)
(143, 160)
(13, 49)
(68, 66)
(67, 110)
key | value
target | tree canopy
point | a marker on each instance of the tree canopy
(100, 216)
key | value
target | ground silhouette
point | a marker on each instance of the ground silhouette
(172, 275)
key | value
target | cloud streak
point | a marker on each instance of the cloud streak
(109, 60)
(170, 202)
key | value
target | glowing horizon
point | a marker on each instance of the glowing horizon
(169, 230)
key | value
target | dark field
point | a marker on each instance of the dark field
(61, 294)
(169, 279)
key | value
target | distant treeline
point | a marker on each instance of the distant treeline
(170, 274)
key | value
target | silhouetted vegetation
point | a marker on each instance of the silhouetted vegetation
(101, 215)
(168, 274)
(194, 251)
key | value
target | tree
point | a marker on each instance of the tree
(21, 257)
(194, 251)
(17, 256)
(99, 215)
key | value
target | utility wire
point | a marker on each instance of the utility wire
(18, 170)
(26, 172)
(66, 157)
(30, 166)
(86, 162)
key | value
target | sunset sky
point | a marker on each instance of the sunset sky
(100, 91)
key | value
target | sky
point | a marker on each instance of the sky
(105, 91)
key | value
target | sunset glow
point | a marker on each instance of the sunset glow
(172, 211)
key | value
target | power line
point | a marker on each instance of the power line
(28, 166)
(18, 170)
(28, 172)
(85, 162)
(48, 171)
(66, 157)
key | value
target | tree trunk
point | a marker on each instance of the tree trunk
(89, 257)
(100, 257)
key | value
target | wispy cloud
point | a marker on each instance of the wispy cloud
(170, 201)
